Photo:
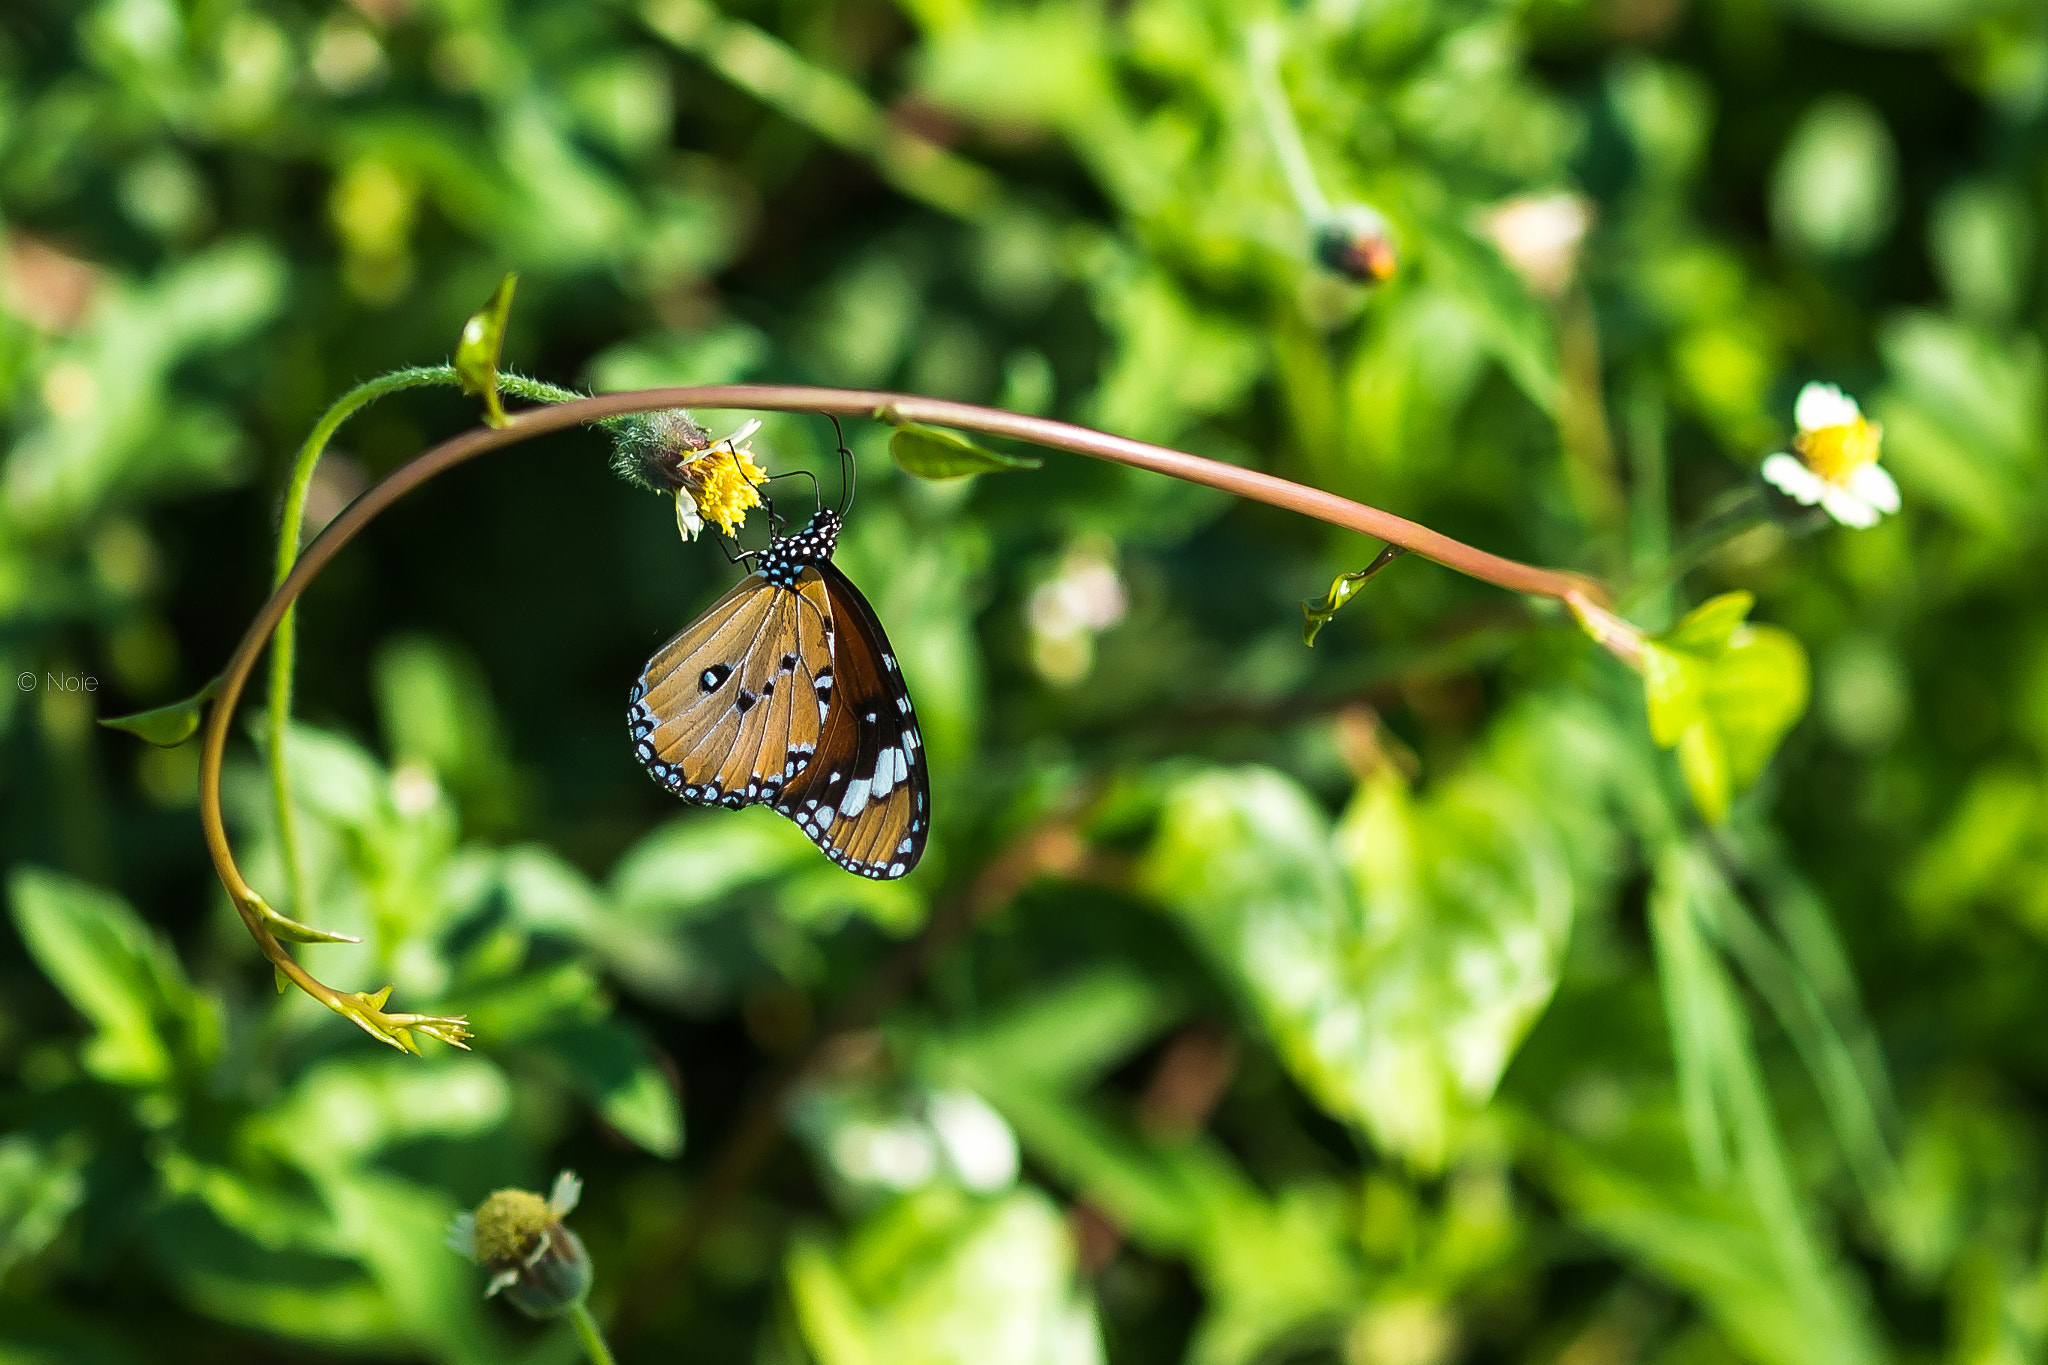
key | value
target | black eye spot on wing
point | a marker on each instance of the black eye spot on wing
(714, 677)
(746, 701)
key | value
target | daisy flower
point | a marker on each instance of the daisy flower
(1837, 461)
(720, 484)
(670, 452)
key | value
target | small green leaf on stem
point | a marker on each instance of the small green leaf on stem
(1342, 589)
(285, 927)
(932, 453)
(167, 726)
(476, 355)
(1723, 693)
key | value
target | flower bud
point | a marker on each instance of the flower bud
(653, 448)
(1355, 242)
(519, 1237)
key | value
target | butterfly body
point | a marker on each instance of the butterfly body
(786, 693)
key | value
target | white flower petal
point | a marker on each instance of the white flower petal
(568, 1189)
(978, 1143)
(1791, 476)
(753, 424)
(689, 522)
(1824, 405)
(1847, 508)
(1870, 483)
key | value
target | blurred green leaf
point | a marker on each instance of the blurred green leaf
(725, 354)
(940, 1277)
(1987, 850)
(436, 708)
(1066, 1035)
(1515, 325)
(685, 865)
(40, 1187)
(615, 1067)
(1812, 1311)
(476, 353)
(119, 433)
(343, 1112)
(1180, 1198)
(150, 1025)
(1835, 189)
(1962, 418)
(1723, 693)
(1706, 1243)
(1396, 963)
(933, 453)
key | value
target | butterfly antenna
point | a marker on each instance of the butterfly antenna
(846, 466)
(816, 496)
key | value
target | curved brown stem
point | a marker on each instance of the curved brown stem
(266, 925)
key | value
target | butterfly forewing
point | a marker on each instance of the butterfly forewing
(726, 713)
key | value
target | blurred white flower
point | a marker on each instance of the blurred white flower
(979, 1146)
(1540, 235)
(1837, 461)
(1067, 612)
(414, 789)
(898, 1154)
(565, 1195)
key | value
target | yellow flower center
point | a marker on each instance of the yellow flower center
(726, 480)
(509, 1225)
(1835, 453)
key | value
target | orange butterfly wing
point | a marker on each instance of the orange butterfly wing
(788, 695)
(866, 799)
(728, 712)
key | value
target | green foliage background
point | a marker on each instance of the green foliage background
(1387, 1002)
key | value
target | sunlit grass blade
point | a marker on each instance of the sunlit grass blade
(1808, 931)
(1799, 1011)
(1689, 1005)
(1725, 1049)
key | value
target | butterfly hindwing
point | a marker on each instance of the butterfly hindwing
(865, 800)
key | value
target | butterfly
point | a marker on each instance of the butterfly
(786, 694)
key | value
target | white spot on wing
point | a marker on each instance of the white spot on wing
(856, 798)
